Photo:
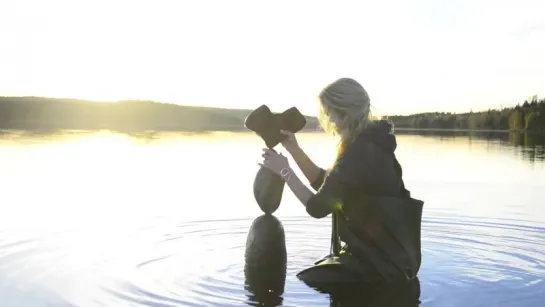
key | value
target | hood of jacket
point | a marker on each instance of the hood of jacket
(380, 132)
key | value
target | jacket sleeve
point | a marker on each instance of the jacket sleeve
(343, 177)
(319, 181)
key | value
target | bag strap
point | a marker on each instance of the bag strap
(399, 172)
(335, 238)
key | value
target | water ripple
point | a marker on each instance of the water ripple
(201, 263)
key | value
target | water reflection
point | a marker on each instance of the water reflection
(405, 294)
(519, 140)
(530, 145)
(105, 219)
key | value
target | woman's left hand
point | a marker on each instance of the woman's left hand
(274, 161)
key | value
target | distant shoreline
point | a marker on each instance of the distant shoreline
(469, 130)
(237, 129)
(453, 130)
(135, 116)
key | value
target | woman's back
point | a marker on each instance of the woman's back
(368, 166)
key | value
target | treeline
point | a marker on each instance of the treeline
(38, 113)
(530, 116)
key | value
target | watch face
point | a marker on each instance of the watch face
(284, 172)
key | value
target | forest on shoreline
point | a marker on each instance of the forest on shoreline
(526, 117)
(40, 113)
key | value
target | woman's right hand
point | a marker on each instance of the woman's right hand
(290, 142)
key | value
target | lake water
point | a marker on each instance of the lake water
(105, 219)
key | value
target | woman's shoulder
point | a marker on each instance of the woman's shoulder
(376, 139)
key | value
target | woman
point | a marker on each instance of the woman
(365, 166)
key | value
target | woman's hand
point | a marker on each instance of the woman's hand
(274, 161)
(290, 142)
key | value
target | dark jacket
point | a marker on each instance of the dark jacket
(367, 167)
(377, 219)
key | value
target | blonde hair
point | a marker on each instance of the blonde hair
(344, 111)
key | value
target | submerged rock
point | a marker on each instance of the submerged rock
(265, 261)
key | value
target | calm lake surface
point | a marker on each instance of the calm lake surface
(106, 219)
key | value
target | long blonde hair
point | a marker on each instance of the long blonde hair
(344, 111)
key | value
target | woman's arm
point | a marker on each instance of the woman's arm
(317, 205)
(345, 176)
(312, 172)
(299, 188)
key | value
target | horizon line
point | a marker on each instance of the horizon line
(500, 108)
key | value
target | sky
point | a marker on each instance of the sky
(411, 56)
